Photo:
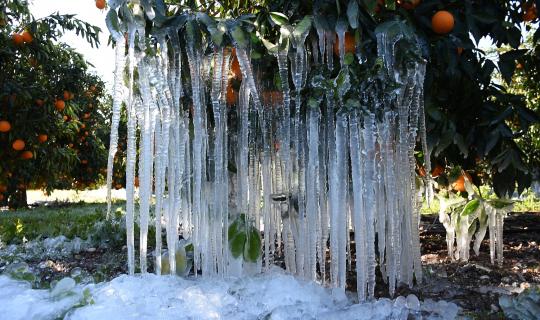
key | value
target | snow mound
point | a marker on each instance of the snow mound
(273, 295)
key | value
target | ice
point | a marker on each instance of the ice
(302, 172)
(274, 295)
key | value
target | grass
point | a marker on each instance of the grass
(70, 220)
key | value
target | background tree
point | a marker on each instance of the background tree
(48, 104)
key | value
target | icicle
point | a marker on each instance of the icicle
(312, 190)
(118, 98)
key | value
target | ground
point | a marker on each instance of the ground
(475, 285)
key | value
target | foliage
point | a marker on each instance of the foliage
(36, 74)
(468, 113)
(244, 239)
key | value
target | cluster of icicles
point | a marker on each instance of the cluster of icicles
(307, 180)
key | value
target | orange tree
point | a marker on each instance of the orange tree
(469, 115)
(48, 103)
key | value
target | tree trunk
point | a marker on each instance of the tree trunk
(17, 199)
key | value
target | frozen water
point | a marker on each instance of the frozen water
(274, 295)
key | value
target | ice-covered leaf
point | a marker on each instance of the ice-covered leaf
(252, 249)
(352, 13)
(278, 18)
(471, 207)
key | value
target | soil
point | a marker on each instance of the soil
(474, 285)
(477, 284)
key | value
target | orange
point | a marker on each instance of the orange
(17, 39)
(459, 184)
(39, 102)
(71, 96)
(65, 118)
(232, 95)
(3, 188)
(86, 115)
(271, 98)
(33, 62)
(421, 171)
(1, 197)
(42, 138)
(93, 88)
(409, 4)
(100, 4)
(459, 50)
(26, 155)
(86, 133)
(235, 65)
(83, 126)
(5, 126)
(350, 44)
(529, 13)
(18, 145)
(66, 95)
(442, 22)
(70, 145)
(27, 37)
(84, 161)
(437, 171)
(59, 105)
(379, 6)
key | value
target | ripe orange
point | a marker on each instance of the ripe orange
(3, 188)
(59, 105)
(1, 197)
(350, 44)
(442, 22)
(100, 4)
(232, 95)
(83, 126)
(5, 126)
(33, 62)
(42, 138)
(71, 96)
(17, 39)
(86, 115)
(27, 37)
(66, 95)
(65, 118)
(39, 102)
(459, 184)
(86, 133)
(437, 171)
(18, 145)
(26, 155)
(409, 4)
(235, 65)
(84, 161)
(70, 145)
(529, 13)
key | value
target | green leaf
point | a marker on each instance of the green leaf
(302, 28)
(111, 20)
(252, 249)
(237, 243)
(239, 36)
(278, 18)
(500, 203)
(470, 207)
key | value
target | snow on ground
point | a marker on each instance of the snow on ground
(273, 295)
